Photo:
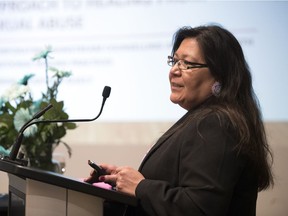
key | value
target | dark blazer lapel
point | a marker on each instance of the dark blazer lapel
(164, 137)
(160, 141)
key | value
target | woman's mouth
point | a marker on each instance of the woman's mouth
(175, 85)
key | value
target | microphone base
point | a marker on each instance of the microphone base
(17, 161)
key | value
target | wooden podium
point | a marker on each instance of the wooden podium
(41, 193)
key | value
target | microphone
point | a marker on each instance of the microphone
(16, 146)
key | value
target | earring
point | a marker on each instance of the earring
(216, 89)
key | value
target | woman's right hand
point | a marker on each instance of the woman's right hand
(94, 176)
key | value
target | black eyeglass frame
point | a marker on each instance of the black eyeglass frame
(190, 65)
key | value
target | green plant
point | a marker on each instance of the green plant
(17, 106)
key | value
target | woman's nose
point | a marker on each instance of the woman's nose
(175, 69)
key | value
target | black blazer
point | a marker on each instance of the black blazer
(194, 170)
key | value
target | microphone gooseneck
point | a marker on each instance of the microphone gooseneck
(17, 144)
(105, 94)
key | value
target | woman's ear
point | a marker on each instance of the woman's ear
(216, 89)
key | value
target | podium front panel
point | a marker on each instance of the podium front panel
(42, 193)
(83, 204)
(44, 199)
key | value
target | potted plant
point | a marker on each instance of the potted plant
(17, 106)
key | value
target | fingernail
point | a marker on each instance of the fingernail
(101, 178)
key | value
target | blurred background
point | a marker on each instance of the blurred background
(124, 44)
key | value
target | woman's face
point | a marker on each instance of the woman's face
(190, 87)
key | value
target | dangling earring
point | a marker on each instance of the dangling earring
(216, 89)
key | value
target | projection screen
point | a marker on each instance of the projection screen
(124, 44)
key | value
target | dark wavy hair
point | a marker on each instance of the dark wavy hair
(224, 56)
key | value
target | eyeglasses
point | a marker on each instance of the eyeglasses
(183, 64)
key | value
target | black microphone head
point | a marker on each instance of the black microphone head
(106, 91)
